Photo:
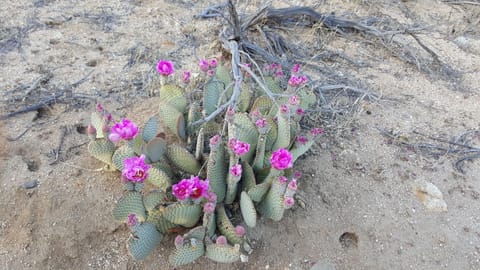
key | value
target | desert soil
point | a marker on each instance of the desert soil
(367, 195)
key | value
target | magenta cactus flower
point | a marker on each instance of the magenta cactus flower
(239, 147)
(165, 67)
(91, 130)
(292, 185)
(215, 139)
(209, 207)
(182, 189)
(297, 174)
(211, 72)
(301, 139)
(261, 123)
(294, 100)
(186, 76)
(279, 73)
(213, 63)
(179, 241)
(239, 231)
(99, 107)
(282, 179)
(221, 240)
(135, 170)
(199, 187)
(284, 108)
(300, 111)
(204, 66)
(126, 130)
(296, 68)
(132, 220)
(281, 159)
(236, 170)
(211, 197)
(288, 202)
(297, 80)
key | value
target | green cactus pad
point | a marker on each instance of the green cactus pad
(144, 240)
(226, 227)
(173, 120)
(248, 176)
(273, 85)
(283, 138)
(258, 192)
(217, 172)
(162, 165)
(272, 205)
(194, 114)
(187, 253)
(271, 135)
(119, 156)
(182, 159)
(258, 162)
(197, 233)
(210, 224)
(211, 95)
(159, 178)
(223, 253)
(150, 129)
(222, 74)
(263, 104)
(245, 97)
(102, 149)
(183, 214)
(155, 149)
(97, 122)
(163, 225)
(200, 144)
(130, 203)
(247, 207)
(152, 200)
(175, 96)
(245, 131)
(299, 149)
(137, 144)
(307, 99)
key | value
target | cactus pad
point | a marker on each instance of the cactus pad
(102, 149)
(130, 203)
(159, 178)
(182, 159)
(155, 149)
(119, 156)
(150, 129)
(223, 253)
(97, 122)
(248, 210)
(272, 206)
(174, 95)
(226, 227)
(173, 120)
(211, 95)
(183, 214)
(187, 253)
(258, 192)
(152, 200)
(143, 241)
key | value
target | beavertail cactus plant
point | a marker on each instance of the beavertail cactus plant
(182, 172)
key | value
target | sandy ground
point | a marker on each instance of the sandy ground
(363, 190)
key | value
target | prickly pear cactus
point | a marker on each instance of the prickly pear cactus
(181, 172)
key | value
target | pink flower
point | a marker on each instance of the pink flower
(301, 139)
(131, 220)
(297, 80)
(211, 197)
(279, 73)
(239, 231)
(284, 108)
(236, 170)
(317, 131)
(211, 72)
(292, 185)
(135, 169)
(182, 189)
(126, 130)
(186, 76)
(296, 68)
(297, 174)
(215, 140)
(294, 101)
(179, 241)
(282, 179)
(213, 63)
(261, 123)
(91, 130)
(108, 117)
(300, 111)
(199, 188)
(288, 202)
(281, 159)
(239, 147)
(165, 67)
(209, 207)
(221, 240)
(99, 107)
(256, 113)
(203, 64)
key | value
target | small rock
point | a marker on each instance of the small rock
(323, 266)
(430, 196)
(92, 63)
(30, 184)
